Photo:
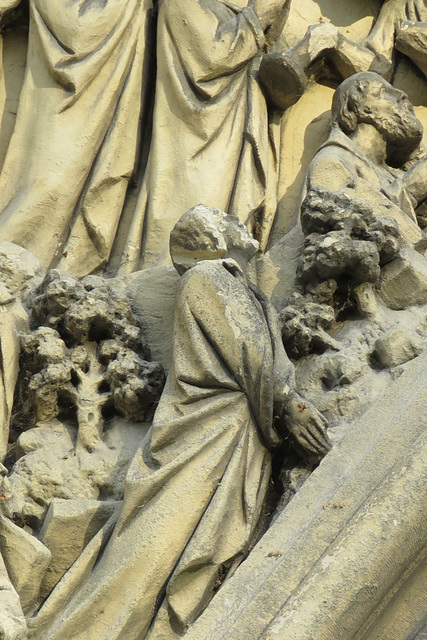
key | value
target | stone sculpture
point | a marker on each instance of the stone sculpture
(210, 132)
(372, 124)
(392, 27)
(223, 104)
(82, 368)
(411, 40)
(217, 508)
(20, 273)
(87, 338)
(83, 90)
(195, 77)
(195, 492)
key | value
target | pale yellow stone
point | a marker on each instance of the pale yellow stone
(26, 560)
(68, 527)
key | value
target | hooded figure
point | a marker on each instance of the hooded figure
(195, 492)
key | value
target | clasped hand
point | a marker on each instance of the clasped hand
(307, 426)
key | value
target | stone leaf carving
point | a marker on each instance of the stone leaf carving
(345, 241)
(345, 247)
(87, 356)
(87, 352)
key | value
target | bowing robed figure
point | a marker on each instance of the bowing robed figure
(195, 492)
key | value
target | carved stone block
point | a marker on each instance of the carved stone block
(404, 281)
(397, 346)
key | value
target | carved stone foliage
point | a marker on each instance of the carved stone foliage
(87, 356)
(85, 361)
(345, 246)
(345, 241)
(86, 376)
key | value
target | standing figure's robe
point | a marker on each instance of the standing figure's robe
(75, 140)
(210, 141)
(195, 492)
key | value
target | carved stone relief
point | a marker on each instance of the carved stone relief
(213, 294)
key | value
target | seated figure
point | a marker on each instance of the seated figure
(195, 492)
(374, 132)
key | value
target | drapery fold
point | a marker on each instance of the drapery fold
(75, 142)
(210, 139)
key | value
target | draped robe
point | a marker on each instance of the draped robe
(341, 165)
(195, 492)
(75, 140)
(211, 142)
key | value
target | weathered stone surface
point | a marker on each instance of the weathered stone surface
(187, 484)
(336, 551)
(404, 281)
(46, 149)
(12, 621)
(397, 347)
(68, 527)
(304, 326)
(102, 191)
(13, 45)
(19, 272)
(152, 293)
(282, 79)
(404, 614)
(412, 41)
(26, 560)
(276, 270)
(88, 353)
(422, 635)
(19, 268)
(49, 467)
(13, 320)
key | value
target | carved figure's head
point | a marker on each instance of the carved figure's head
(367, 98)
(206, 233)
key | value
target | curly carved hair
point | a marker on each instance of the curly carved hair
(348, 98)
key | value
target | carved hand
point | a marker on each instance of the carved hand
(268, 11)
(308, 426)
